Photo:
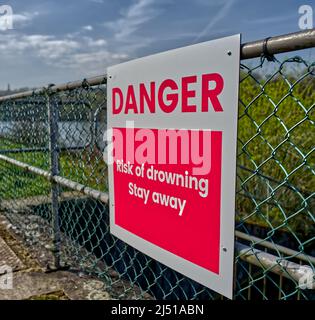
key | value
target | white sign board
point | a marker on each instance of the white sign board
(172, 157)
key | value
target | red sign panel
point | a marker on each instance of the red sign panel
(167, 205)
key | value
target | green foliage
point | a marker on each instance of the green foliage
(86, 167)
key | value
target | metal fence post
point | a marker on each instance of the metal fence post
(54, 169)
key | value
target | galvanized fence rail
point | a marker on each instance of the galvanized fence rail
(53, 181)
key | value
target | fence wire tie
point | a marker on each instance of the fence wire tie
(311, 69)
(47, 90)
(265, 53)
(85, 84)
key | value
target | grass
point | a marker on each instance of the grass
(86, 167)
(57, 295)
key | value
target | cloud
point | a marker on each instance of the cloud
(97, 1)
(82, 55)
(44, 46)
(91, 42)
(92, 63)
(219, 16)
(88, 28)
(47, 46)
(23, 18)
(140, 12)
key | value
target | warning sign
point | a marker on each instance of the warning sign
(171, 153)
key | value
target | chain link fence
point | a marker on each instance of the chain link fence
(53, 186)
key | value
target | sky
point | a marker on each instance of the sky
(59, 41)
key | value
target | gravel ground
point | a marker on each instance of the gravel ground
(36, 235)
